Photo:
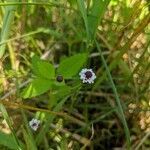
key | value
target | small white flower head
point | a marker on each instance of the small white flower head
(34, 124)
(87, 76)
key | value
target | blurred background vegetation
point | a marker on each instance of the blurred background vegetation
(54, 29)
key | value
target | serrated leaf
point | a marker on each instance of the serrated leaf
(69, 67)
(42, 69)
(37, 87)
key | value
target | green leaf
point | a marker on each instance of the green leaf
(8, 18)
(30, 144)
(83, 11)
(14, 138)
(96, 13)
(8, 141)
(72, 3)
(42, 69)
(37, 87)
(69, 67)
(59, 92)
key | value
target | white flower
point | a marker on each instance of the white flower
(87, 76)
(34, 124)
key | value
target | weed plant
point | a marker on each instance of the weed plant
(74, 74)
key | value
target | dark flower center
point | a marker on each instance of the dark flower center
(34, 124)
(88, 74)
(59, 78)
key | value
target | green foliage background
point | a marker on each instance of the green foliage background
(42, 39)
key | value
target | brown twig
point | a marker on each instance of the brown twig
(27, 107)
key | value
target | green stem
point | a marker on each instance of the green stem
(37, 3)
(120, 109)
(21, 36)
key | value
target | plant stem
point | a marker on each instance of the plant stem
(120, 109)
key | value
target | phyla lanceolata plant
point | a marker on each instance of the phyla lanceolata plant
(48, 78)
